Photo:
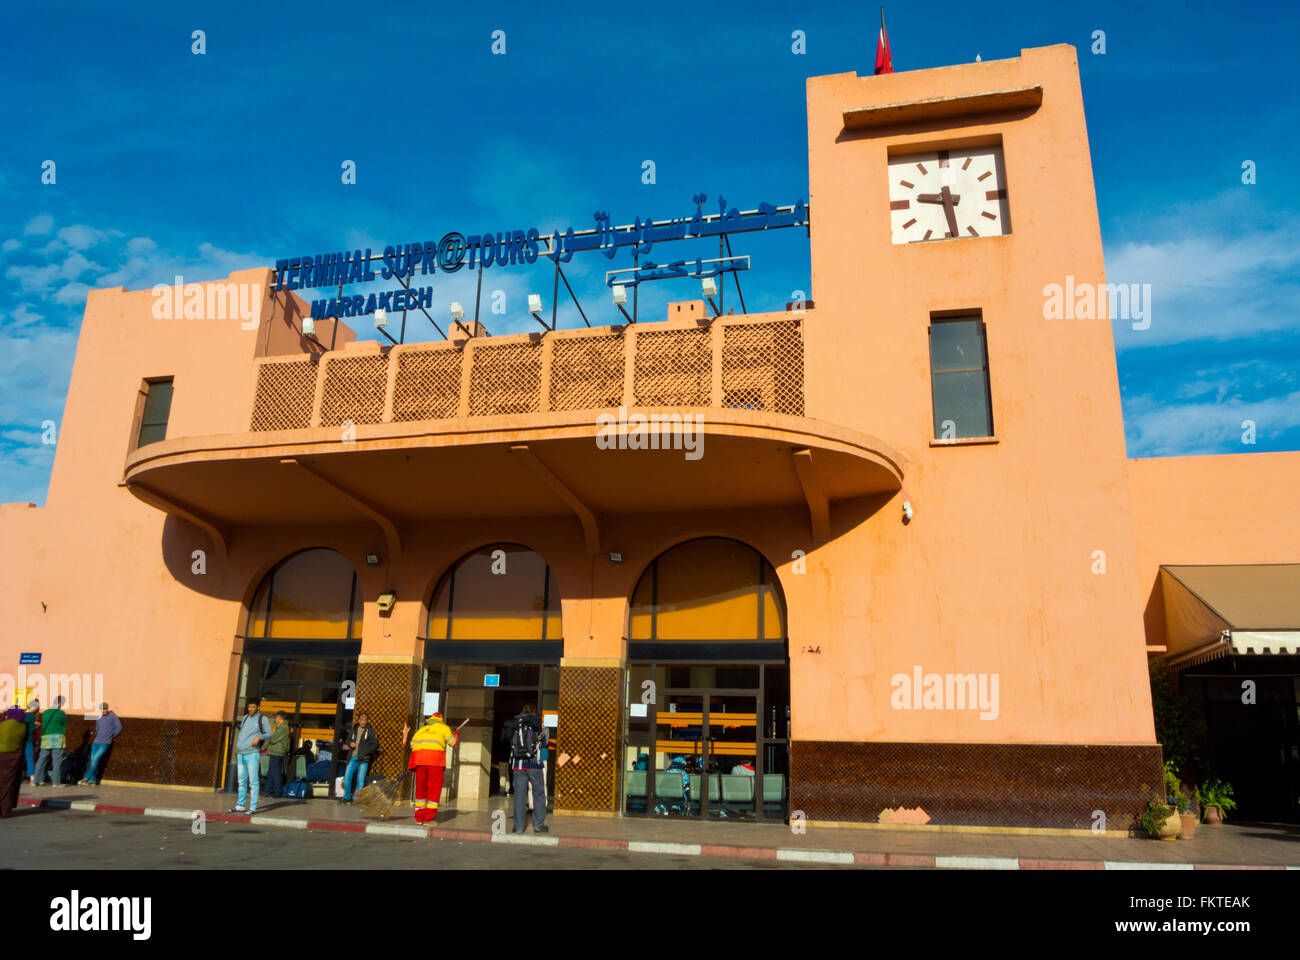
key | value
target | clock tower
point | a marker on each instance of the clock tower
(944, 202)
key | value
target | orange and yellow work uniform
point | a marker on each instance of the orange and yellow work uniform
(429, 749)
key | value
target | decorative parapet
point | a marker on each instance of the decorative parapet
(745, 363)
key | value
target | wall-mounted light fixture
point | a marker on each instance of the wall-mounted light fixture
(372, 559)
(386, 601)
(615, 557)
(535, 308)
(620, 297)
(710, 287)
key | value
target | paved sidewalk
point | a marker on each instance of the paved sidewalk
(1239, 846)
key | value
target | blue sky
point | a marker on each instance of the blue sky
(170, 163)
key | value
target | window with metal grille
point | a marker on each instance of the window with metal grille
(157, 408)
(959, 378)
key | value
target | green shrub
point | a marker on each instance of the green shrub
(1153, 818)
(1175, 727)
(1174, 795)
(1216, 793)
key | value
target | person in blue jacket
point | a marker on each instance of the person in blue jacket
(107, 728)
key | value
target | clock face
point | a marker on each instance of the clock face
(948, 193)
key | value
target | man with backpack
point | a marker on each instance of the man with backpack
(253, 729)
(527, 738)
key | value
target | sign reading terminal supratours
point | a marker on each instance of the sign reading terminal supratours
(506, 248)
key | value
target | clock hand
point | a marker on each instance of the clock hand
(936, 198)
(949, 212)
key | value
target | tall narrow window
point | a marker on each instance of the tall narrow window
(157, 408)
(959, 378)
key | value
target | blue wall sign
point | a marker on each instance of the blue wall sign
(510, 247)
(29, 658)
(491, 679)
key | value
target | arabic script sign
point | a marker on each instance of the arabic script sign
(509, 247)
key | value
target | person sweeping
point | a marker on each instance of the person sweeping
(429, 749)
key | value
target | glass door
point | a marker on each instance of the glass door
(310, 692)
(732, 759)
(707, 741)
(481, 765)
(679, 755)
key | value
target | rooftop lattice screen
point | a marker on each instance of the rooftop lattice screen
(734, 363)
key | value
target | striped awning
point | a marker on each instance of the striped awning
(1221, 610)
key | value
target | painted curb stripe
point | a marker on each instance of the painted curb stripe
(342, 826)
(976, 863)
(641, 846)
(813, 856)
(265, 820)
(1027, 863)
(729, 850)
(909, 860)
(398, 830)
(645, 846)
(525, 839)
(1138, 865)
(460, 836)
(593, 843)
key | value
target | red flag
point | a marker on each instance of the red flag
(884, 60)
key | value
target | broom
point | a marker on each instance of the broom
(378, 799)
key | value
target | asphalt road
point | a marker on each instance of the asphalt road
(42, 839)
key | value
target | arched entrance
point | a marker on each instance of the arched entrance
(300, 642)
(493, 643)
(708, 686)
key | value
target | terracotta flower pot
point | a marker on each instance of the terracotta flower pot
(1172, 827)
(1189, 825)
(1213, 816)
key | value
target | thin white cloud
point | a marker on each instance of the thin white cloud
(81, 237)
(1218, 269)
(39, 225)
(1156, 428)
(23, 316)
(33, 279)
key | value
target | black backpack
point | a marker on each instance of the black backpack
(525, 743)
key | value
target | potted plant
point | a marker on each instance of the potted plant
(1179, 800)
(1187, 819)
(1215, 798)
(1159, 822)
